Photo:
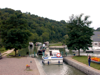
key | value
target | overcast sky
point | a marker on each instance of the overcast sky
(57, 9)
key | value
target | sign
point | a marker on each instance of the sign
(58, 54)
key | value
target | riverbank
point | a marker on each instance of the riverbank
(82, 67)
(41, 71)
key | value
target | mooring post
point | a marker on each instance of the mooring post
(66, 53)
(43, 53)
(62, 53)
(34, 54)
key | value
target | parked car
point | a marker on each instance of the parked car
(0, 55)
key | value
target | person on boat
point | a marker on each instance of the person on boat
(89, 60)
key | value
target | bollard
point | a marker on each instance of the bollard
(43, 53)
(30, 61)
(74, 54)
(62, 53)
(34, 54)
(66, 53)
(59, 62)
(42, 61)
(48, 62)
(29, 54)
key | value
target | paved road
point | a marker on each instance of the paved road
(17, 66)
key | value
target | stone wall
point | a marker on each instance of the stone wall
(82, 67)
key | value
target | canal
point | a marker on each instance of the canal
(64, 69)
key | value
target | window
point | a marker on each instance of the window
(51, 53)
(54, 54)
(95, 43)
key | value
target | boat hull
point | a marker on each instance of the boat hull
(95, 61)
(53, 61)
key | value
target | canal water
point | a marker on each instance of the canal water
(64, 69)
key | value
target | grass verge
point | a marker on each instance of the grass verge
(22, 52)
(56, 44)
(12, 55)
(2, 50)
(84, 59)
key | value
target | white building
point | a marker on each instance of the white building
(96, 40)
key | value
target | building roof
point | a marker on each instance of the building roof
(96, 36)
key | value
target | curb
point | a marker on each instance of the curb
(82, 67)
(41, 71)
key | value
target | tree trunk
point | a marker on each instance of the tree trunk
(79, 52)
(15, 51)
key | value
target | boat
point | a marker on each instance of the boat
(66, 48)
(95, 61)
(41, 49)
(52, 57)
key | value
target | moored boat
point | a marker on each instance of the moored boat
(52, 57)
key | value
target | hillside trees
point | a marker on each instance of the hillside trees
(79, 33)
(39, 25)
(45, 37)
(14, 32)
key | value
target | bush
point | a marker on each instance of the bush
(2, 49)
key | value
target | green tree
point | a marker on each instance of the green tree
(79, 33)
(14, 32)
(36, 24)
(45, 36)
(34, 37)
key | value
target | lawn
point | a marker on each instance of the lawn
(56, 44)
(84, 59)
(21, 52)
(2, 49)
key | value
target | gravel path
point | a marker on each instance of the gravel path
(17, 66)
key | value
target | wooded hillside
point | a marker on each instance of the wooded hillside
(42, 29)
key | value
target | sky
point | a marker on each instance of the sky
(57, 9)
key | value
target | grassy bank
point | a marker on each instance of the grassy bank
(2, 49)
(55, 44)
(84, 59)
(23, 51)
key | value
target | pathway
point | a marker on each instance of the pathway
(17, 66)
(7, 52)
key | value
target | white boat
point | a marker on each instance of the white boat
(52, 57)
(66, 48)
(40, 50)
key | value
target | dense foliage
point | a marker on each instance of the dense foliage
(14, 32)
(79, 33)
(42, 29)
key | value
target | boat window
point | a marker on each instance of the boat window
(41, 47)
(54, 54)
(51, 53)
(46, 55)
